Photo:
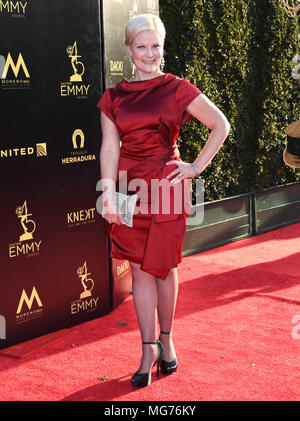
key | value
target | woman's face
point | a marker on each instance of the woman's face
(147, 51)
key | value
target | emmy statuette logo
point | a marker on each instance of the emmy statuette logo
(75, 86)
(77, 65)
(86, 302)
(87, 283)
(32, 312)
(26, 246)
(28, 225)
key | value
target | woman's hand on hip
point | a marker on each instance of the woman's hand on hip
(183, 170)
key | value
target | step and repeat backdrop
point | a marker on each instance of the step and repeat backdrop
(56, 59)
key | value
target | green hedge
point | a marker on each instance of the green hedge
(239, 53)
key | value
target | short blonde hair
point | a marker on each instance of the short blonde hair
(143, 22)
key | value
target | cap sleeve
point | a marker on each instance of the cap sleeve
(186, 92)
(105, 104)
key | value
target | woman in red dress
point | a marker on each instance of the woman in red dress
(145, 114)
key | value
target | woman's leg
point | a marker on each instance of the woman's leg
(167, 298)
(145, 300)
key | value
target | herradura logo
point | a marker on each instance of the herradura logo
(14, 72)
(79, 152)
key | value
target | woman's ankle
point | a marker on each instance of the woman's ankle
(167, 341)
(165, 337)
(149, 356)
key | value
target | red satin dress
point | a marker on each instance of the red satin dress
(148, 115)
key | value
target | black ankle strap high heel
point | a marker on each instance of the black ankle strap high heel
(168, 367)
(144, 379)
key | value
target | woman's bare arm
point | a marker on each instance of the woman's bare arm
(110, 151)
(212, 117)
(109, 162)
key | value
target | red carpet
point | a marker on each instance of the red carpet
(25, 348)
(232, 331)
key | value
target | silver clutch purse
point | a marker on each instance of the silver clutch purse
(126, 205)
